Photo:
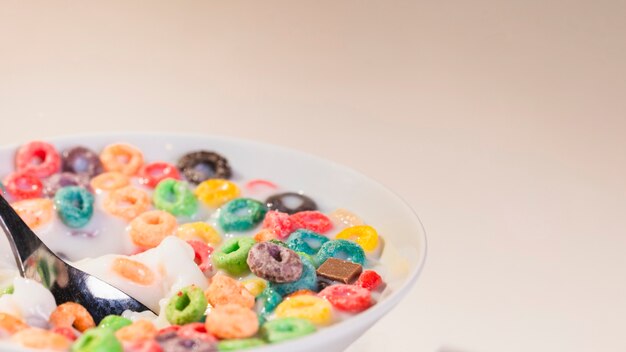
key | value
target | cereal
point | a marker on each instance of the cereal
(110, 181)
(150, 228)
(57, 181)
(280, 202)
(114, 322)
(370, 280)
(175, 197)
(196, 331)
(127, 202)
(74, 205)
(226, 290)
(171, 342)
(153, 173)
(267, 302)
(286, 329)
(142, 346)
(341, 249)
(274, 263)
(346, 217)
(314, 309)
(265, 235)
(233, 254)
(97, 340)
(41, 339)
(348, 298)
(366, 236)
(22, 185)
(71, 314)
(241, 214)
(311, 220)
(81, 160)
(339, 270)
(122, 158)
(203, 165)
(257, 183)
(39, 159)
(66, 331)
(278, 223)
(187, 306)
(254, 285)
(202, 253)
(232, 321)
(35, 212)
(133, 270)
(215, 192)
(306, 241)
(239, 344)
(11, 324)
(307, 281)
(199, 231)
(137, 331)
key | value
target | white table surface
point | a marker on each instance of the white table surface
(502, 124)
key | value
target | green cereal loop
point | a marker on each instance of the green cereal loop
(283, 329)
(233, 255)
(239, 344)
(241, 214)
(114, 322)
(175, 197)
(340, 249)
(279, 242)
(187, 306)
(7, 290)
(97, 340)
(266, 303)
(74, 205)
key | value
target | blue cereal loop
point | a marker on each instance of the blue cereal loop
(306, 241)
(341, 249)
(307, 281)
(74, 205)
(241, 214)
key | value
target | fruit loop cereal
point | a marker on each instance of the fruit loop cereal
(222, 269)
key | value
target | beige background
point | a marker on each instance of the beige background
(502, 123)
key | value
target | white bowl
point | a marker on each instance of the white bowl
(330, 184)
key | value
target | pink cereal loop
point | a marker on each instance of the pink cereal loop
(260, 183)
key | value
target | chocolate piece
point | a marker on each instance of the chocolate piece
(339, 270)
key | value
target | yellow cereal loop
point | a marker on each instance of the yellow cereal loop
(215, 192)
(255, 285)
(199, 231)
(364, 235)
(312, 308)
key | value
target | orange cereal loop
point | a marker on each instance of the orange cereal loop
(199, 231)
(109, 181)
(11, 324)
(226, 290)
(232, 321)
(71, 314)
(122, 158)
(150, 228)
(137, 331)
(265, 235)
(133, 270)
(41, 339)
(127, 202)
(34, 212)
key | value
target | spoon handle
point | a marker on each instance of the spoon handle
(21, 238)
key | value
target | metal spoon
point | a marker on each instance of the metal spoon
(37, 262)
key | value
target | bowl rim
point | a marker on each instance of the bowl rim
(371, 314)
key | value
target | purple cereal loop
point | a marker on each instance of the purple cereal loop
(81, 160)
(274, 263)
(57, 181)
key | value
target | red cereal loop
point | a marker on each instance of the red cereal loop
(279, 223)
(38, 158)
(348, 298)
(196, 331)
(65, 331)
(202, 253)
(153, 173)
(170, 328)
(311, 220)
(369, 279)
(255, 183)
(21, 185)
